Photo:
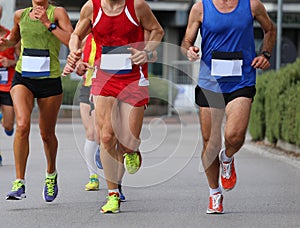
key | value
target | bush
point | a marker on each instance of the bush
(70, 90)
(257, 123)
(275, 111)
(158, 90)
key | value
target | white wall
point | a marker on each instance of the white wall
(8, 13)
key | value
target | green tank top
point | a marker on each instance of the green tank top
(35, 35)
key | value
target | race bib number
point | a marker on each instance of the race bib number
(226, 63)
(116, 60)
(35, 63)
(3, 75)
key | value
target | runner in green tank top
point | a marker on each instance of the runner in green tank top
(41, 29)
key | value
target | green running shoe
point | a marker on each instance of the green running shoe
(113, 203)
(133, 162)
(93, 184)
(17, 192)
(51, 188)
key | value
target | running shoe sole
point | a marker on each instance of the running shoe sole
(15, 197)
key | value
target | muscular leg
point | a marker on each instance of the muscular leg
(211, 122)
(48, 109)
(237, 118)
(105, 114)
(23, 105)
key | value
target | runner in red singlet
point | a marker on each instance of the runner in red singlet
(120, 87)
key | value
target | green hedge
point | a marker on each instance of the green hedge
(70, 88)
(275, 112)
(158, 90)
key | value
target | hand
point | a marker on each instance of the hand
(74, 57)
(3, 43)
(82, 68)
(138, 57)
(40, 13)
(260, 62)
(4, 61)
(67, 70)
(193, 53)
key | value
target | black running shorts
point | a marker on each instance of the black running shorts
(207, 98)
(40, 88)
(5, 99)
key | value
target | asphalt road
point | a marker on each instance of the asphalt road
(170, 190)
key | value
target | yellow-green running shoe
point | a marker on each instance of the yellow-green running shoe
(93, 184)
(17, 192)
(133, 162)
(51, 188)
(113, 203)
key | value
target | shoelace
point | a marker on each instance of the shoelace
(130, 159)
(216, 201)
(93, 180)
(226, 170)
(112, 199)
(50, 186)
(16, 185)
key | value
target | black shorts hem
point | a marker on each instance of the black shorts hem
(207, 98)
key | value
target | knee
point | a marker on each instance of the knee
(47, 136)
(107, 140)
(23, 129)
(235, 139)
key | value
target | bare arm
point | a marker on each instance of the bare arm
(260, 14)
(14, 36)
(82, 29)
(195, 19)
(153, 31)
(149, 22)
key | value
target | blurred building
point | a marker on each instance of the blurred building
(173, 16)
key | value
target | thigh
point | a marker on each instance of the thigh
(105, 111)
(48, 111)
(237, 116)
(23, 101)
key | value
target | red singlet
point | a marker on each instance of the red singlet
(7, 74)
(120, 30)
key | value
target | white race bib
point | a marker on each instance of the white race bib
(35, 63)
(225, 64)
(3, 75)
(116, 59)
(226, 67)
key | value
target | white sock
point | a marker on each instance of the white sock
(21, 180)
(51, 174)
(90, 148)
(224, 157)
(113, 190)
(213, 191)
